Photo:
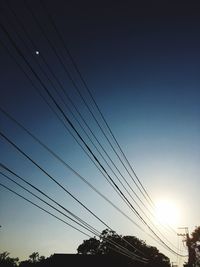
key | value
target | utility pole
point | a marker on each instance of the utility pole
(191, 251)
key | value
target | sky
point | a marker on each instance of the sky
(141, 64)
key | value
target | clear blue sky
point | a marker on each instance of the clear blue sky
(142, 65)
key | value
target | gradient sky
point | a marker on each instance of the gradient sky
(142, 65)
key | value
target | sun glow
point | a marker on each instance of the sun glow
(167, 212)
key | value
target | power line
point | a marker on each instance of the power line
(46, 102)
(86, 86)
(57, 80)
(120, 248)
(65, 117)
(109, 157)
(70, 123)
(96, 105)
(16, 147)
(65, 125)
(66, 165)
(53, 179)
(61, 206)
(27, 190)
(74, 84)
(87, 226)
(62, 122)
(94, 101)
(71, 169)
(92, 230)
(92, 97)
(19, 21)
(44, 209)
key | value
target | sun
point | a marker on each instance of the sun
(167, 212)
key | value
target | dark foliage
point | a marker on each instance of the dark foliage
(102, 246)
(194, 242)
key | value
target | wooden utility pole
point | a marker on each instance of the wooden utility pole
(191, 250)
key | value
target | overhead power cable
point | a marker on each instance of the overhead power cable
(79, 221)
(74, 63)
(16, 147)
(46, 75)
(69, 99)
(75, 86)
(48, 79)
(119, 248)
(71, 169)
(44, 210)
(145, 194)
(57, 116)
(52, 109)
(65, 126)
(82, 223)
(53, 179)
(66, 118)
(61, 206)
(71, 112)
(70, 123)
(82, 97)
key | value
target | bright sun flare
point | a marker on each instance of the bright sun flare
(167, 212)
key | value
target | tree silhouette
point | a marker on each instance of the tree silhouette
(195, 244)
(105, 246)
(34, 257)
(90, 246)
(196, 235)
(34, 260)
(6, 261)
